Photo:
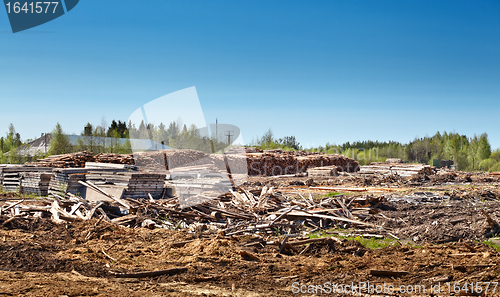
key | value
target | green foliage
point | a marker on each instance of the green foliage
(60, 142)
(267, 141)
(488, 164)
(8, 145)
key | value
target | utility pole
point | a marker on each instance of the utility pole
(229, 134)
(44, 144)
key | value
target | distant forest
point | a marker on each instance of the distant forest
(108, 139)
(468, 153)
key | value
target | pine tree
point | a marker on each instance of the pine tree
(60, 142)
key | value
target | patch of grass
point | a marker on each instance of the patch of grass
(370, 243)
(331, 194)
(374, 243)
(493, 245)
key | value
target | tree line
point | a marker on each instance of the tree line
(114, 138)
(467, 153)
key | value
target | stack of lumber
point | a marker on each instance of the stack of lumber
(137, 185)
(13, 176)
(495, 173)
(65, 181)
(11, 181)
(109, 166)
(269, 164)
(404, 170)
(142, 184)
(322, 171)
(115, 158)
(36, 183)
(74, 160)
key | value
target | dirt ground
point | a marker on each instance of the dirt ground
(438, 242)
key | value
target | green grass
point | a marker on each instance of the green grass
(493, 245)
(370, 243)
(331, 194)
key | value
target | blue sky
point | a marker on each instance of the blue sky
(324, 71)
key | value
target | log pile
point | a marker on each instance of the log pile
(73, 160)
(115, 158)
(160, 161)
(151, 161)
(181, 158)
(269, 164)
(36, 183)
(403, 170)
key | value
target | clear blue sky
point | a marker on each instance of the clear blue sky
(324, 71)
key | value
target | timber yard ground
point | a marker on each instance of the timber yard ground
(436, 235)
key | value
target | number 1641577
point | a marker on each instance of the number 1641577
(32, 7)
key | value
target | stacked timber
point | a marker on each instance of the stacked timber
(11, 181)
(73, 160)
(322, 171)
(136, 185)
(36, 183)
(142, 184)
(404, 170)
(13, 176)
(115, 158)
(65, 181)
(269, 164)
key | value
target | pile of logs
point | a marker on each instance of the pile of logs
(115, 158)
(403, 170)
(180, 158)
(269, 164)
(74, 160)
(163, 160)
(151, 161)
